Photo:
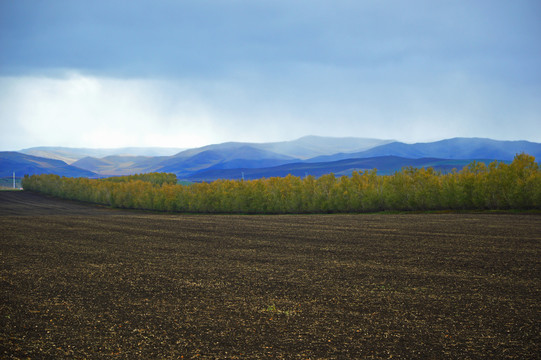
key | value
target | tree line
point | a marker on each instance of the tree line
(477, 186)
(153, 178)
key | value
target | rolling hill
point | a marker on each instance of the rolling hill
(222, 156)
(23, 164)
(384, 164)
(71, 155)
(456, 148)
(311, 146)
(117, 165)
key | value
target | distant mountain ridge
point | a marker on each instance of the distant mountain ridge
(229, 155)
(22, 164)
(70, 155)
(311, 146)
(385, 165)
(117, 165)
(459, 148)
(455, 148)
(242, 155)
(312, 155)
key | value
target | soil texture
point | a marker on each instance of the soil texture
(81, 281)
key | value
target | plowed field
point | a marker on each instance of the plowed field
(79, 281)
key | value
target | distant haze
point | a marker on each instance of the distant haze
(182, 74)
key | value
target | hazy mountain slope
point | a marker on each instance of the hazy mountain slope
(70, 155)
(302, 148)
(311, 146)
(23, 164)
(385, 165)
(92, 164)
(457, 148)
(221, 156)
(392, 149)
(120, 165)
(225, 147)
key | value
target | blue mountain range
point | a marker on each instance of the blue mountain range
(311, 155)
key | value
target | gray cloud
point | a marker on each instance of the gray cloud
(203, 38)
(208, 71)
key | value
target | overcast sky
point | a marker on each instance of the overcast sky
(189, 73)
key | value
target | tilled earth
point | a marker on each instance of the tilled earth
(80, 281)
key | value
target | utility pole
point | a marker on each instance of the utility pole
(14, 179)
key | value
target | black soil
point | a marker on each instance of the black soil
(81, 281)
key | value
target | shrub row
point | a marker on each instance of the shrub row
(153, 178)
(476, 186)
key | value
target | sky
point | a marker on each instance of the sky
(189, 73)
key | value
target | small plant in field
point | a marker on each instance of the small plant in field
(272, 309)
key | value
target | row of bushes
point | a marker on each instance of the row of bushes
(477, 186)
(153, 178)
